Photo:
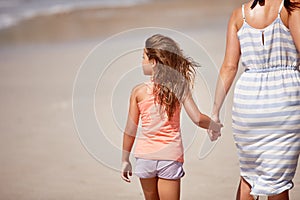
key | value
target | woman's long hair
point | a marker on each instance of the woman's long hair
(291, 6)
(173, 74)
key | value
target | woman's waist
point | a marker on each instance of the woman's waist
(270, 68)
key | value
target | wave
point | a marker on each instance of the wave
(12, 12)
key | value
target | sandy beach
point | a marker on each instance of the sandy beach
(42, 154)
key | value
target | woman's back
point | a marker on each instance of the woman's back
(266, 43)
(262, 16)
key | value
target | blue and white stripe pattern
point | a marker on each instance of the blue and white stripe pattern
(266, 108)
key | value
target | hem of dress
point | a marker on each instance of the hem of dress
(289, 186)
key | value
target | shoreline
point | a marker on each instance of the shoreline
(99, 22)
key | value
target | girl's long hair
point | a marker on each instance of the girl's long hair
(173, 74)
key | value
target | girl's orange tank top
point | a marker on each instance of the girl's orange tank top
(160, 138)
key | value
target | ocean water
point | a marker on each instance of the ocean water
(13, 12)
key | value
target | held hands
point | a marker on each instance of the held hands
(214, 130)
(126, 171)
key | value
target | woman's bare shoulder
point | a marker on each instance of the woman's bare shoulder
(236, 18)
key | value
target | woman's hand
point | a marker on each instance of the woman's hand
(126, 171)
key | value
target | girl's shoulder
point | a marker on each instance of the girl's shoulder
(140, 91)
(139, 88)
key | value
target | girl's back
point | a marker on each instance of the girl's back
(160, 137)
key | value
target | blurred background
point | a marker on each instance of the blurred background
(43, 43)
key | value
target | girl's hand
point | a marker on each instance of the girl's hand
(213, 135)
(126, 171)
(214, 130)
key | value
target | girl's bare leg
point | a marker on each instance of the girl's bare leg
(149, 186)
(169, 189)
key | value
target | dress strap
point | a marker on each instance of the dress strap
(243, 12)
(280, 8)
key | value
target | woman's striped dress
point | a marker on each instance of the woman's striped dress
(266, 108)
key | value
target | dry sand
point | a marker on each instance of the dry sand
(41, 154)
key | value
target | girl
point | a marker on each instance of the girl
(265, 35)
(159, 149)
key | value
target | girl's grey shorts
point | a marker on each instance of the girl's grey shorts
(166, 169)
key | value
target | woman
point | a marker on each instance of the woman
(265, 35)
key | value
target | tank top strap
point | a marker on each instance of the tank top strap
(243, 12)
(280, 8)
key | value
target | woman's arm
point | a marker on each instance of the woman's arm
(129, 135)
(294, 25)
(230, 64)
